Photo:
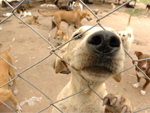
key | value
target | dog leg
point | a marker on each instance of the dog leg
(116, 104)
(53, 26)
(12, 74)
(143, 91)
(136, 85)
(13, 99)
(67, 29)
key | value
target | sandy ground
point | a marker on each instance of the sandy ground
(29, 48)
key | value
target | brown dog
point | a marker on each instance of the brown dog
(31, 20)
(145, 67)
(6, 71)
(71, 17)
(60, 38)
(95, 55)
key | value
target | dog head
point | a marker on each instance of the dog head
(145, 64)
(125, 35)
(59, 35)
(96, 54)
(87, 15)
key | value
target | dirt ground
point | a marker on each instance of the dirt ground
(29, 48)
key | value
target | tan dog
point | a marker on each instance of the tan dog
(6, 71)
(60, 38)
(112, 6)
(71, 17)
(145, 67)
(95, 55)
(31, 20)
(127, 35)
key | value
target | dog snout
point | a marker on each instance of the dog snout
(104, 42)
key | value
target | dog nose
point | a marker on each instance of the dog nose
(104, 42)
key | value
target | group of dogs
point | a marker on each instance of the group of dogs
(95, 55)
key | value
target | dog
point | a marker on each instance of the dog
(95, 56)
(144, 66)
(6, 71)
(127, 35)
(21, 10)
(78, 6)
(112, 6)
(147, 8)
(71, 4)
(70, 17)
(31, 20)
(60, 38)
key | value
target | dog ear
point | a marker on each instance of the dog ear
(138, 53)
(118, 77)
(129, 35)
(60, 64)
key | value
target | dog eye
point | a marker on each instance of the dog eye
(78, 36)
(124, 35)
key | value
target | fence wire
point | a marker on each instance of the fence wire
(54, 52)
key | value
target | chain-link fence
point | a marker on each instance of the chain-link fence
(54, 52)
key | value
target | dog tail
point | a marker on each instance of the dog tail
(10, 46)
(130, 18)
(45, 14)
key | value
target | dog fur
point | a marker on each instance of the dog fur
(127, 35)
(78, 6)
(60, 38)
(112, 6)
(145, 67)
(31, 20)
(70, 17)
(89, 57)
(71, 4)
(6, 71)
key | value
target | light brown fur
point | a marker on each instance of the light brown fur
(31, 20)
(70, 17)
(5, 71)
(87, 58)
(60, 38)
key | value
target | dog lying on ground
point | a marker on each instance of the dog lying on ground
(70, 17)
(127, 35)
(67, 8)
(31, 20)
(95, 55)
(60, 38)
(6, 71)
(145, 67)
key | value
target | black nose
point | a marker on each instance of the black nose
(104, 42)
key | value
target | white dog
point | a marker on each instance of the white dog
(127, 35)
(95, 55)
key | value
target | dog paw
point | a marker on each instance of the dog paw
(117, 104)
(143, 92)
(16, 92)
(18, 109)
(136, 85)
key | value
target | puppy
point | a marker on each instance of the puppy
(60, 38)
(112, 6)
(70, 17)
(127, 35)
(145, 67)
(31, 20)
(96, 56)
(78, 6)
(6, 71)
